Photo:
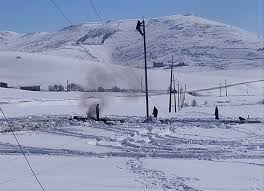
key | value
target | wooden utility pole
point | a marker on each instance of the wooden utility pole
(226, 87)
(220, 90)
(141, 85)
(185, 89)
(171, 83)
(174, 94)
(146, 71)
(143, 33)
(262, 8)
(179, 96)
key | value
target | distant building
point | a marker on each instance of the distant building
(30, 88)
(3, 85)
(158, 64)
(181, 64)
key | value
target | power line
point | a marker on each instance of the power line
(61, 12)
(21, 149)
(117, 47)
(102, 21)
(95, 10)
(69, 21)
(100, 18)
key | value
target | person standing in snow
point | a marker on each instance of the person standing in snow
(97, 111)
(216, 113)
(155, 112)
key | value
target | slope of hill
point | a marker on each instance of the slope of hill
(193, 40)
(20, 68)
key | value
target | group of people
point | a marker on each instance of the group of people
(154, 112)
(97, 112)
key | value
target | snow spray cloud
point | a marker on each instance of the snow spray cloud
(99, 77)
(89, 102)
(91, 111)
(107, 77)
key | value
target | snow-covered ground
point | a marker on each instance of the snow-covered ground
(188, 150)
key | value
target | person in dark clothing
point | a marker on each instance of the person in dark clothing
(97, 112)
(155, 112)
(216, 113)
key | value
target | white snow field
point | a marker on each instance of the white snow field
(188, 150)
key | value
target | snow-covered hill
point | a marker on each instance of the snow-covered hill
(193, 40)
(186, 150)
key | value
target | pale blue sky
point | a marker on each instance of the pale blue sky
(40, 15)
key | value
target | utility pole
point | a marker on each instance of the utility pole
(226, 87)
(181, 97)
(262, 23)
(143, 33)
(178, 95)
(67, 87)
(174, 94)
(141, 86)
(220, 90)
(171, 83)
(184, 94)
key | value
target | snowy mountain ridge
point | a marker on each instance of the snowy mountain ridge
(193, 40)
